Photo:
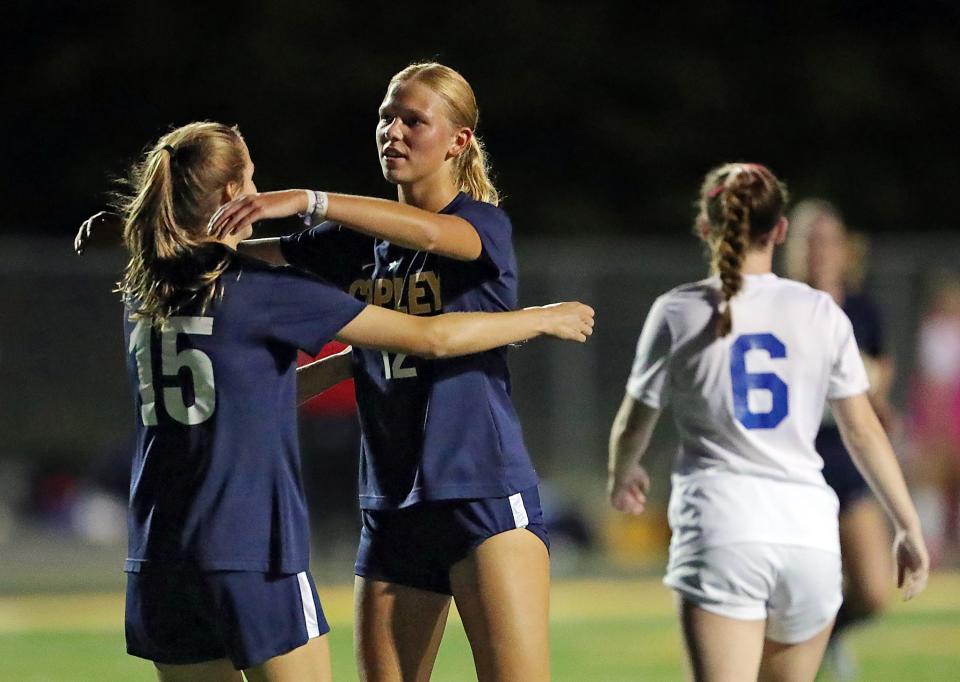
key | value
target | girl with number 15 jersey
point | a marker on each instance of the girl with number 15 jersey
(748, 360)
(218, 562)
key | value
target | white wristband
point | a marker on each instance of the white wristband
(316, 211)
(321, 203)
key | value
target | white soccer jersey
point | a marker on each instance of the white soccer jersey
(748, 406)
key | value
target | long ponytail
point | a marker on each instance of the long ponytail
(174, 190)
(473, 174)
(741, 202)
(729, 253)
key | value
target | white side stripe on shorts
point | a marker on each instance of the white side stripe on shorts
(519, 511)
(309, 608)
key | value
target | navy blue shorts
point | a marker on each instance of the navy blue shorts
(179, 616)
(417, 546)
(839, 470)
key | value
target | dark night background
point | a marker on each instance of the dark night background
(598, 118)
(601, 120)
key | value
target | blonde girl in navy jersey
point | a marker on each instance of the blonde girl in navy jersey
(218, 563)
(447, 489)
(748, 360)
(821, 253)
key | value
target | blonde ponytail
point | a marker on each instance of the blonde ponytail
(173, 192)
(473, 175)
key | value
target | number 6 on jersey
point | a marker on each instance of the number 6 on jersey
(743, 382)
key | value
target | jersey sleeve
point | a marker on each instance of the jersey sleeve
(495, 230)
(848, 376)
(306, 312)
(648, 379)
(329, 251)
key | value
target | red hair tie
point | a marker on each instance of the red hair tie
(715, 191)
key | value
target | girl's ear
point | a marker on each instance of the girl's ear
(461, 140)
(780, 231)
(230, 192)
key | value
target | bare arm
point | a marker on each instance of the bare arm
(404, 225)
(414, 228)
(871, 451)
(628, 482)
(316, 377)
(100, 229)
(454, 334)
(106, 229)
(267, 250)
(881, 379)
(880, 371)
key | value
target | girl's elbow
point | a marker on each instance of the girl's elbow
(434, 344)
(438, 349)
(429, 240)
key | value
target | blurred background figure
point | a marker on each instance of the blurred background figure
(934, 418)
(821, 252)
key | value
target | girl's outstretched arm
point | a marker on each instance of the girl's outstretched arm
(106, 229)
(267, 250)
(408, 226)
(453, 334)
(100, 229)
(318, 376)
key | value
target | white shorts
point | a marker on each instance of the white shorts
(797, 590)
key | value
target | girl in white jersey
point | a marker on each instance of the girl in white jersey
(748, 360)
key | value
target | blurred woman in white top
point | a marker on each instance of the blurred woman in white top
(748, 360)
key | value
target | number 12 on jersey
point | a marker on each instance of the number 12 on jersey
(743, 381)
(393, 366)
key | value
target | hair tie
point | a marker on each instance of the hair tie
(173, 152)
(715, 191)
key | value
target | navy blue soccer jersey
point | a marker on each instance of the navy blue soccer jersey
(431, 429)
(838, 469)
(866, 321)
(216, 477)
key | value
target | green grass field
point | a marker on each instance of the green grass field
(603, 631)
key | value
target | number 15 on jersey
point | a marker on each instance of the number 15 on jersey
(174, 368)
